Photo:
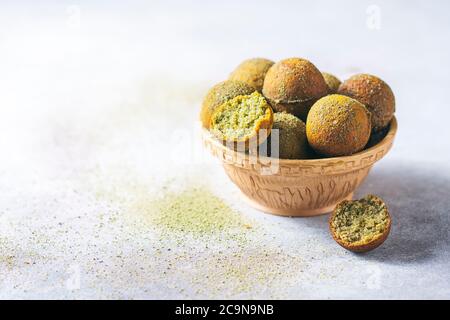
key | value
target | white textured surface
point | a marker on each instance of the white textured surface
(92, 96)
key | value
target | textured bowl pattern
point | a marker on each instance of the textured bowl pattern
(298, 187)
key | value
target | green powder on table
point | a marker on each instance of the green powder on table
(196, 211)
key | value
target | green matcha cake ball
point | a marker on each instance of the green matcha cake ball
(252, 72)
(219, 94)
(360, 225)
(333, 82)
(291, 136)
(375, 94)
(293, 85)
(338, 125)
(238, 121)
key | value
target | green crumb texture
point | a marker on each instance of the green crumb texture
(198, 212)
(219, 94)
(238, 118)
(362, 221)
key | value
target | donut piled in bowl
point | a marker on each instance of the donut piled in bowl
(297, 111)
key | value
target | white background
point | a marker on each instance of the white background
(98, 110)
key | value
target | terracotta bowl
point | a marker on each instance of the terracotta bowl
(298, 187)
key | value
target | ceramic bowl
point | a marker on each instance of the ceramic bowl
(298, 187)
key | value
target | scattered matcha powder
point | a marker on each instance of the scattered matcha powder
(198, 212)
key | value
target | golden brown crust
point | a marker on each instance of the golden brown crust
(292, 143)
(219, 94)
(375, 94)
(332, 82)
(299, 109)
(338, 126)
(292, 85)
(252, 71)
(374, 243)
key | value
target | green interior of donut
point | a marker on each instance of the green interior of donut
(361, 221)
(238, 117)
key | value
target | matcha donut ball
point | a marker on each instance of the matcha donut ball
(375, 94)
(360, 225)
(252, 72)
(291, 136)
(338, 126)
(332, 82)
(293, 85)
(238, 122)
(219, 94)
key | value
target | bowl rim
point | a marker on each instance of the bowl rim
(387, 139)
